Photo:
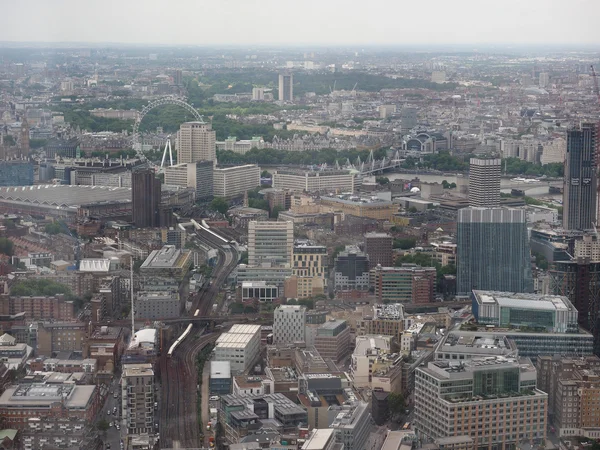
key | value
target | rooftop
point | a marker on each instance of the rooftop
(244, 329)
(392, 311)
(318, 439)
(137, 370)
(524, 301)
(94, 265)
(372, 344)
(165, 258)
(65, 196)
(220, 369)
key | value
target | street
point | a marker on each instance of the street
(112, 436)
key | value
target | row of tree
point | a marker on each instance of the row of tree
(311, 157)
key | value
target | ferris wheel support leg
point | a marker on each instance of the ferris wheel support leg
(170, 151)
(164, 156)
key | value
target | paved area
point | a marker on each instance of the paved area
(112, 436)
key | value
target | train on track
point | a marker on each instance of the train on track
(204, 227)
(179, 340)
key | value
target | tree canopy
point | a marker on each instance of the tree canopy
(39, 286)
(219, 204)
(6, 246)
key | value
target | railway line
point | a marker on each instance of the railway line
(179, 411)
(179, 408)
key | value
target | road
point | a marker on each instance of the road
(112, 436)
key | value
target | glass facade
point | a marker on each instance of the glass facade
(495, 381)
(493, 251)
(527, 318)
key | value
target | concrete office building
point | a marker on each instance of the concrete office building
(493, 400)
(146, 196)
(240, 346)
(314, 181)
(137, 397)
(579, 188)
(289, 322)
(493, 251)
(258, 94)
(196, 142)
(157, 305)
(550, 313)
(270, 242)
(408, 119)
(379, 247)
(286, 87)
(197, 175)
(230, 182)
(333, 340)
(484, 182)
(409, 283)
(385, 320)
(352, 425)
(220, 377)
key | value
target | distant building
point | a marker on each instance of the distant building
(493, 251)
(16, 173)
(231, 144)
(446, 393)
(167, 262)
(198, 175)
(408, 119)
(544, 79)
(146, 197)
(438, 76)
(579, 192)
(258, 94)
(220, 377)
(196, 142)
(379, 248)
(286, 87)
(289, 323)
(230, 182)
(385, 320)
(352, 425)
(550, 313)
(333, 340)
(409, 283)
(484, 182)
(240, 346)
(351, 271)
(137, 392)
(314, 181)
(270, 242)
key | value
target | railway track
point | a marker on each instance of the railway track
(179, 408)
(179, 414)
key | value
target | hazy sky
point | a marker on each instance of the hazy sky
(327, 22)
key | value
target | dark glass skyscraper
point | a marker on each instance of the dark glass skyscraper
(146, 192)
(579, 194)
(493, 251)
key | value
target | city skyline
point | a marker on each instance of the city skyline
(327, 23)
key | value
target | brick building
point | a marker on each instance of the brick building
(55, 307)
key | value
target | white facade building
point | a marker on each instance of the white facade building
(229, 182)
(368, 349)
(314, 181)
(240, 346)
(288, 324)
(270, 242)
(196, 142)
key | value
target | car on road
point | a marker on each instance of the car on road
(108, 412)
(117, 426)
(214, 398)
(110, 425)
(115, 395)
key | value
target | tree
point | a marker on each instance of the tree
(103, 425)
(244, 258)
(276, 210)
(396, 403)
(52, 228)
(6, 246)
(9, 224)
(265, 174)
(219, 204)
(405, 243)
(382, 180)
(412, 209)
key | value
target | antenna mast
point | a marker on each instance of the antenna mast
(132, 302)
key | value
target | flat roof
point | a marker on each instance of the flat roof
(318, 439)
(165, 258)
(230, 338)
(220, 369)
(244, 329)
(539, 302)
(393, 440)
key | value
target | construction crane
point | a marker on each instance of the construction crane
(596, 89)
